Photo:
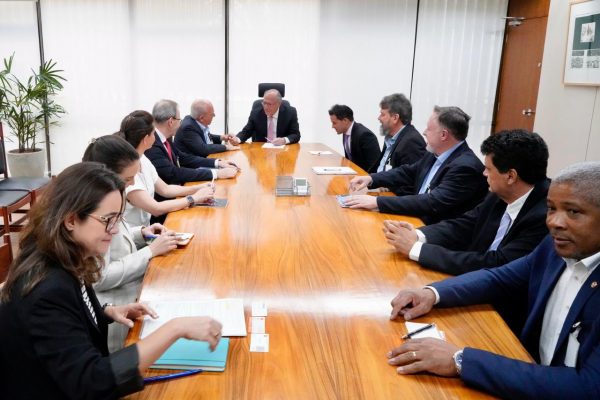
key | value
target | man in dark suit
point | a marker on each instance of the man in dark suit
(194, 137)
(445, 183)
(403, 144)
(274, 122)
(508, 224)
(164, 155)
(560, 281)
(360, 144)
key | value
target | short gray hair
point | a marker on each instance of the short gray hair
(584, 179)
(275, 92)
(163, 110)
(199, 108)
(397, 103)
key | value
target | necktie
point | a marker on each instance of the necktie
(168, 147)
(432, 171)
(502, 229)
(347, 146)
(208, 138)
(270, 129)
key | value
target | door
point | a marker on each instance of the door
(521, 64)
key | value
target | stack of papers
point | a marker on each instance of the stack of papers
(334, 171)
(229, 312)
(273, 146)
(191, 354)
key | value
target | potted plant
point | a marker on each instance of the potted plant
(27, 107)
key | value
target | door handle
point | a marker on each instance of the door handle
(528, 112)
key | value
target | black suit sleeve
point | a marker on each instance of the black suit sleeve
(411, 150)
(189, 141)
(293, 130)
(455, 188)
(173, 174)
(370, 149)
(248, 130)
(192, 161)
(532, 231)
(62, 344)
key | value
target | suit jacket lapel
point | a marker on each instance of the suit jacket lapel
(584, 294)
(444, 166)
(428, 161)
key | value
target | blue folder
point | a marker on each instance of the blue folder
(191, 354)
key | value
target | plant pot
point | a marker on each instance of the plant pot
(28, 164)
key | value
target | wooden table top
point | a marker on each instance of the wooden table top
(327, 276)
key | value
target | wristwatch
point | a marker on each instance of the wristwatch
(190, 200)
(107, 305)
(458, 361)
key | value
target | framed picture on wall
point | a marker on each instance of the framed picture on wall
(582, 59)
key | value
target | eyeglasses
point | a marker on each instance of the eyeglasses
(176, 119)
(110, 221)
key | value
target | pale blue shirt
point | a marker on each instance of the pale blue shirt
(389, 145)
(436, 166)
(206, 132)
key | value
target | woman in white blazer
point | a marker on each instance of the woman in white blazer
(129, 252)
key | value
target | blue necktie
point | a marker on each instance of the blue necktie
(502, 229)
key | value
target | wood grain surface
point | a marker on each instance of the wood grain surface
(327, 276)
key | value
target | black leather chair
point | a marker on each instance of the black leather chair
(263, 87)
(16, 194)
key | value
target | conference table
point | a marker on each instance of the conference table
(327, 276)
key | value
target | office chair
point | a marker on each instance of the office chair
(263, 87)
(5, 257)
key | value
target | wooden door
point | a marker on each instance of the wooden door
(521, 65)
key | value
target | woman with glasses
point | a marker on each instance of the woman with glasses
(137, 128)
(53, 328)
(128, 255)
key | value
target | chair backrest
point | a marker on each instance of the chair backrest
(263, 87)
(3, 166)
(5, 256)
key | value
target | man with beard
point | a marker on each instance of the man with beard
(443, 184)
(403, 144)
(560, 281)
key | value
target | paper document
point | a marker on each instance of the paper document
(229, 312)
(320, 152)
(272, 146)
(334, 171)
(432, 332)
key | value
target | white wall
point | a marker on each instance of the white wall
(121, 55)
(568, 117)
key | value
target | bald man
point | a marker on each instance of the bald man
(194, 136)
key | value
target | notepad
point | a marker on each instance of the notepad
(217, 203)
(334, 171)
(433, 332)
(191, 354)
(229, 312)
(183, 238)
(272, 146)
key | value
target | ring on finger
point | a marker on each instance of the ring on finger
(413, 355)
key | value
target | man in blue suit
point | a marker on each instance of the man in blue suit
(560, 281)
(443, 184)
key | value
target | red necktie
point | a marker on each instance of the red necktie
(168, 147)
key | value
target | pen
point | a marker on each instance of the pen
(167, 377)
(150, 236)
(331, 169)
(411, 334)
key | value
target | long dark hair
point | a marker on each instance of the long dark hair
(46, 242)
(111, 151)
(136, 126)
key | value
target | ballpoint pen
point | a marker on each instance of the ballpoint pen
(422, 329)
(167, 377)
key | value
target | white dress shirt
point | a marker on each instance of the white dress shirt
(560, 301)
